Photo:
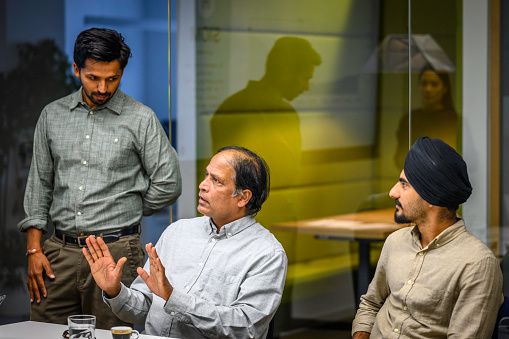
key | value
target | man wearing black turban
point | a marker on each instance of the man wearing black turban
(434, 279)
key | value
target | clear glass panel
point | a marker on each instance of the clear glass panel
(36, 44)
(297, 83)
(321, 92)
(305, 84)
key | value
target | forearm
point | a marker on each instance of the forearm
(130, 304)
(361, 335)
(230, 310)
(160, 160)
(34, 237)
(230, 321)
(160, 195)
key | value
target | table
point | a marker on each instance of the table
(40, 330)
(363, 227)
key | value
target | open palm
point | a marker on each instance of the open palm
(157, 280)
(106, 273)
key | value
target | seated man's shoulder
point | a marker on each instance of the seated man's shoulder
(473, 248)
(401, 234)
(265, 238)
(187, 225)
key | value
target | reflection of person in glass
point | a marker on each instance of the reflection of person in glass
(437, 118)
(269, 123)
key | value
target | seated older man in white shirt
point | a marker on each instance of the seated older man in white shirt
(221, 275)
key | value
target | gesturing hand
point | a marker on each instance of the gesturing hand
(106, 273)
(156, 281)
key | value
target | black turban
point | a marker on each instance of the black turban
(438, 173)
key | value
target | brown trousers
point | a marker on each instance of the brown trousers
(74, 291)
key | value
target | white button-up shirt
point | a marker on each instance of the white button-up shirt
(225, 285)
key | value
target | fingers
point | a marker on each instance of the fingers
(42, 287)
(34, 292)
(94, 248)
(49, 271)
(87, 255)
(120, 264)
(161, 277)
(143, 274)
(97, 248)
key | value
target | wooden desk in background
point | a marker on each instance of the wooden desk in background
(363, 227)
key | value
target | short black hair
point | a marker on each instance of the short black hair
(101, 44)
(252, 173)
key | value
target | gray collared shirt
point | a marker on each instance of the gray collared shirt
(225, 285)
(452, 288)
(98, 169)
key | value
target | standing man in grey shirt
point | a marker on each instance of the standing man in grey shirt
(101, 160)
(217, 276)
(434, 279)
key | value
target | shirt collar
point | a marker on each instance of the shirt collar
(114, 104)
(233, 228)
(443, 238)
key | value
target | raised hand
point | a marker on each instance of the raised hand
(106, 273)
(156, 281)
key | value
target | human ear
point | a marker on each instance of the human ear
(76, 70)
(245, 196)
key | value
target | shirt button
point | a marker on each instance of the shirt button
(200, 264)
(91, 112)
(84, 162)
(229, 234)
(81, 188)
(187, 287)
(421, 253)
(172, 313)
(438, 245)
(213, 240)
(87, 137)
(396, 330)
(405, 308)
(79, 213)
(116, 140)
(409, 282)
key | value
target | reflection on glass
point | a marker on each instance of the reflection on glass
(261, 117)
(437, 117)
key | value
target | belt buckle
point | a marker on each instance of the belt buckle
(79, 240)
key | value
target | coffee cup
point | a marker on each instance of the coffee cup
(124, 332)
(81, 326)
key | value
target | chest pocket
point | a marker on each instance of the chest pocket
(115, 151)
(423, 304)
(219, 287)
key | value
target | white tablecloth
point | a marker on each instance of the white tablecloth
(38, 330)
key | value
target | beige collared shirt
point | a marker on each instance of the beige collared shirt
(451, 288)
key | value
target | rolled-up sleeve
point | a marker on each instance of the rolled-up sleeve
(39, 189)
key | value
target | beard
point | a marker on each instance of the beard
(401, 218)
(92, 97)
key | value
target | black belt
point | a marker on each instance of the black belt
(108, 237)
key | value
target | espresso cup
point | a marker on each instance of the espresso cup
(81, 326)
(123, 332)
